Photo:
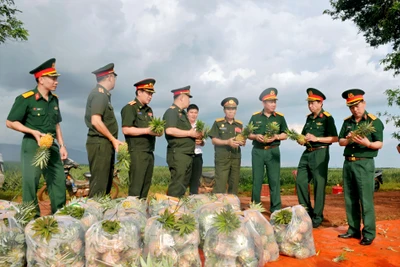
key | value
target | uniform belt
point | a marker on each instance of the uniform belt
(315, 148)
(354, 158)
(267, 147)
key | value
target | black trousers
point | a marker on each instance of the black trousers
(197, 169)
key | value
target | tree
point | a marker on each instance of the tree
(379, 21)
(10, 27)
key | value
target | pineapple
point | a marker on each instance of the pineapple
(74, 211)
(42, 155)
(157, 125)
(363, 129)
(249, 129)
(186, 224)
(259, 207)
(283, 217)
(226, 221)
(45, 227)
(202, 128)
(272, 129)
(167, 219)
(123, 157)
(295, 136)
(111, 227)
(26, 211)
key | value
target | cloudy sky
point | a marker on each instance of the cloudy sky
(221, 48)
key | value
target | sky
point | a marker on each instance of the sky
(221, 48)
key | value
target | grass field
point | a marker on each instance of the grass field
(12, 186)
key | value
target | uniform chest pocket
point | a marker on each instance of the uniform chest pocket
(38, 116)
(54, 114)
(143, 120)
(109, 112)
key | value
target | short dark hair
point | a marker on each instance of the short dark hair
(192, 106)
(99, 79)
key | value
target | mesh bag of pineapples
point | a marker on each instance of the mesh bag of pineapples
(293, 232)
(173, 237)
(12, 241)
(86, 213)
(229, 199)
(55, 241)
(113, 242)
(232, 241)
(135, 203)
(264, 230)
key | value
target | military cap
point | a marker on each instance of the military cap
(315, 95)
(47, 68)
(184, 90)
(353, 96)
(269, 94)
(230, 102)
(103, 71)
(146, 85)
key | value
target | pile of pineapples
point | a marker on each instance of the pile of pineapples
(42, 156)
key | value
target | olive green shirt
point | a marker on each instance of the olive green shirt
(135, 114)
(35, 112)
(357, 150)
(177, 118)
(322, 125)
(260, 121)
(224, 130)
(99, 103)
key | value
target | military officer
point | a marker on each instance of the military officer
(102, 136)
(36, 113)
(181, 142)
(320, 132)
(136, 116)
(266, 153)
(359, 167)
(227, 149)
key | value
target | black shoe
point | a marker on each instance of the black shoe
(315, 224)
(348, 235)
(366, 241)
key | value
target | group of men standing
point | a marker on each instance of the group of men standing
(37, 112)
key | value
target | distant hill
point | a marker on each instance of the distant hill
(11, 153)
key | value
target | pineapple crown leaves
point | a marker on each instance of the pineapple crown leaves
(249, 129)
(167, 219)
(123, 157)
(257, 206)
(73, 210)
(292, 134)
(45, 227)
(26, 211)
(200, 126)
(157, 125)
(272, 129)
(111, 226)
(226, 221)
(364, 129)
(283, 216)
(186, 224)
(163, 262)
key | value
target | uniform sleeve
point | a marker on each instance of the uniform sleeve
(214, 131)
(128, 116)
(99, 104)
(378, 134)
(343, 133)
(330, 129)
(283, 127)
(171, 118)
(18, 110)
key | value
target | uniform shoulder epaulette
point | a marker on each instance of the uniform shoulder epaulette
(327, 113)
(220, 119)
(309, 114)
(280, 114)
(239, 121)
(133, 102)
(373, 117)
(348, 118)
(172, 107)
(55, 95)
(256, 113)
(28, 94)
(101, 90)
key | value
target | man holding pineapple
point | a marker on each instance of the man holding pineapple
(269, 131)
(227, 139)
(362, 137)
(181, 142)
(36, 113)
(136, 120)
(102, 141)
(320, 132)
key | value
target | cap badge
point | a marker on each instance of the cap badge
(350, 95)
(272, 92)
(231, 101)
(310, 93)
(53, 65)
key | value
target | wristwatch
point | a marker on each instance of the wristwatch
(62, 145)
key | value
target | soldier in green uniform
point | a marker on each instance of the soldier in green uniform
(359, 167)
(36, 113)
(227, 148)
(181, 142)
(136, 116)
(320, 132)
(102, 141)
(266, 155)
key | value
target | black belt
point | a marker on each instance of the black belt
(315, 148)
(354, 158)
(265, 147)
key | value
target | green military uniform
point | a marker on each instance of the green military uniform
(313, 165)
(180, 150)
(267, 155)
(101, 153)
(37, 113)
(358, 171)
(227, 159)
(141, 147)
